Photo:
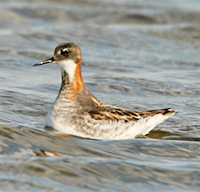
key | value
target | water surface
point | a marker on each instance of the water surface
(138, 55)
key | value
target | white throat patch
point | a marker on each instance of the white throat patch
(69, 67)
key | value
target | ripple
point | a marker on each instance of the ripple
(138, 55)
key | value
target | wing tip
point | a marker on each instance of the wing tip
(169, 112)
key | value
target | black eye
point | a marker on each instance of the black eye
(65, 51)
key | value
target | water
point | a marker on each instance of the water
(136, 54)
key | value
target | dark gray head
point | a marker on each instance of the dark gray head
(68, 57)
(64, 52)
(67, 51)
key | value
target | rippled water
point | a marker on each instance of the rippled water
(136, 54)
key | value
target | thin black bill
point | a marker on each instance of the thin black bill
(50, 60)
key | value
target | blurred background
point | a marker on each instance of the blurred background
(137, 54)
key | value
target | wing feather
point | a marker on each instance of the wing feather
(112, 113)
(109, 112)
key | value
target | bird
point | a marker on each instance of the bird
(77, 112)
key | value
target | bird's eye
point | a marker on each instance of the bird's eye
(65, 51)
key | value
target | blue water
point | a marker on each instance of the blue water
(138, 55)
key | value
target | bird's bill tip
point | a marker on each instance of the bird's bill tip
(50, 60)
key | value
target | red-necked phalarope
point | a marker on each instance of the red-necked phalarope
(77, 112)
